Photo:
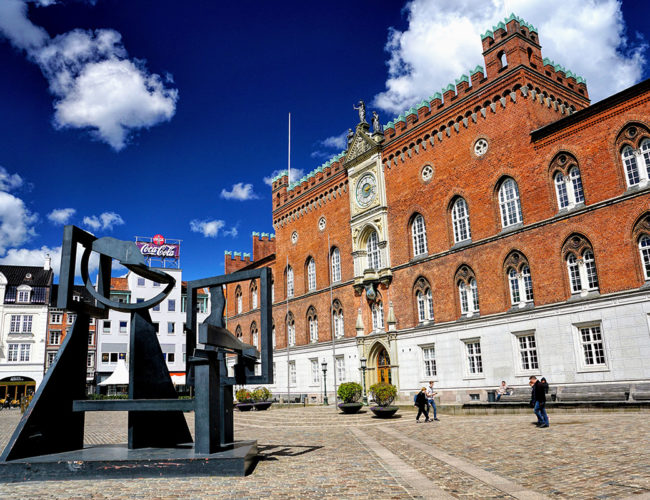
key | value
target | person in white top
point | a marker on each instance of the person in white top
(430, 395)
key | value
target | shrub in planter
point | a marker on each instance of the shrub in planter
(244, 396)
(261, 398)
(350, 394)
(384, 394)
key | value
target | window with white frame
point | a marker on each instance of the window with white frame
(272, 291)
(337, 318)
(340, 368)
(315, 374)
(311, 274)
(51, 356)
(468, 293)
(240, 300)
(123, 326)
(373, 252)
(644, 250)
(90, 360)
(474, 359)
(273, 335)
(527, 348)
(24, 352)
(425, 305)
(71, 318)
(21, 323)
(292, 372)
(429, 358)
(291, 330)
(582, 272)
(289, 282)
(521, 285)
(171, 305)
(91, 338)
(254, 333)
(509, 203)
(254, 296)
(55, 337)
(378, 316)
(336, 265)
(56, 318)
(568, 188)
(23, 294)
(460, 220)
(419, 234)
(312, 321)
(12, 353)
(592, 346)
(637, 163)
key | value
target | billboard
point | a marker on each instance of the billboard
(159, 251)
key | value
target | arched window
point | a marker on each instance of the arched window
(460, 220)
(312, 321)
(273, 334)
(633, 142)
(424, 300)
(254, 334)
(337, 319)
(254, 295)
(519, 279)
(272, 289)
(374, 257)
(289, 282)
(467, 291)
(419, 233)
(581, 264)
(240, 301)
(509, 203)
(378, 316)
(503, 60)
(311, 274)
(336, 265)
(644, 249)
(238, 332)
(291, 329)
(631, 166)
(567, 180)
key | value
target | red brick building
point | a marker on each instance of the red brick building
(499, 229)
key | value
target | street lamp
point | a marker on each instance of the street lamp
(324, 365)
(363, 368)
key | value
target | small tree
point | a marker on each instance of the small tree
(384, 394)
(349, 392)
(261, 394)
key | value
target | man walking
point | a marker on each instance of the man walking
(432, 403)
(538, 400)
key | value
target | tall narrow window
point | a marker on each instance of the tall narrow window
(576, 184)
(561, 191)
(291, 330)
(424, 300)
(254, 295)
(292, 372)
(467, 291)
(240, 300)
(315, 373)
(474, 358)
(581, 264)
(419, 234)
(631, 166)
(336, 265)
(462, 291)
(527, 352)
(289, 282)
(568, 186)
(644, 249)
(513, 278)
(378, 316)
(340, 368)
(337, 318)
(509, 203)
(528, 283)
(254, 334)
(473, 288)
(429, 356)
(519, 279)
(460, 219)
(593, 345)
(311, 274)
(312, 321)
(273, 342)
(574, 273)
(374, 257)
(590, 268)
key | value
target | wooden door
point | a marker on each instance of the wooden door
(383, 367)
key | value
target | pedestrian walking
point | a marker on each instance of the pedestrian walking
(421, 403)
(538, 400)
(431, 394)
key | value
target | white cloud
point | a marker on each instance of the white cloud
(9, 182)
(296, 174)
(443, 41)
(95, 85)
(209, 228)
(106, 220)
(61, 215)
(239, 191)
(16, 222)
(332, 144)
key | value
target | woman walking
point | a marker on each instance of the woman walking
(421, 403)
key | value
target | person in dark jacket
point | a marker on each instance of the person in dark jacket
(421, 403)
(538, 400)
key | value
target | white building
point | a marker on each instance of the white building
(24, 298)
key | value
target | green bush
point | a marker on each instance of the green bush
(383, 393)
(349, 392)
(261, 394)
(244, 396)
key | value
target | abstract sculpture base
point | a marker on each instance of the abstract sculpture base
(118, 461)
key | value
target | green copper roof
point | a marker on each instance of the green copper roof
(412, 111)
(423, 104)
(502, 25)
(436, 95)
(478, 69)
(559, 67)
(463, 78)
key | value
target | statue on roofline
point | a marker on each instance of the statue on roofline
(361, 107)
(376, 126)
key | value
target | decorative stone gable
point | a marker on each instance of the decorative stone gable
(361, 146)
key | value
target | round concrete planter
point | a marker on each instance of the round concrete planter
(350, 408)
(245, 406)
(262, 405)
(384, 411)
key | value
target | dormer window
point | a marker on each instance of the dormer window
(24, 294)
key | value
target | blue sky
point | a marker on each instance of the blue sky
(145, 117)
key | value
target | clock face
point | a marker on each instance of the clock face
(366, 190)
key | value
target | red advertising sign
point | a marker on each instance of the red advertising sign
(159, 239)
(156, 250)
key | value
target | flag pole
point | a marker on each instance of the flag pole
(286, 322)
(332, 320)
(289, 155)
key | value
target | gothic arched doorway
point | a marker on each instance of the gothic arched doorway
(383, 366)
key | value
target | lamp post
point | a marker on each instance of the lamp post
(324, 366)
(363, 369)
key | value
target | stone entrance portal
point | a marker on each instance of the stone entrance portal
(383, 367)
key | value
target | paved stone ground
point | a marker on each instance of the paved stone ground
(315, 453)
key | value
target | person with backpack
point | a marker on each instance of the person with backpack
(421, 402)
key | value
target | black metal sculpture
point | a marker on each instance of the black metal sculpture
(52, 429)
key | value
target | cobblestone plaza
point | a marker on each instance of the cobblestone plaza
(313, 452)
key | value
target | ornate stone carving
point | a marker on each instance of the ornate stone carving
(575, 244)
(361, 107)
(376, 126)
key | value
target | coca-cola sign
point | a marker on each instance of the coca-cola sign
(163, 251)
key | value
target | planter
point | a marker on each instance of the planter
(245, 406)
(262, 405)
(350, 408)
(384, 411)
